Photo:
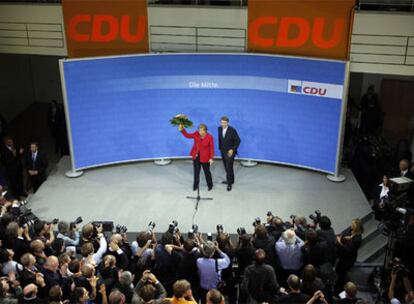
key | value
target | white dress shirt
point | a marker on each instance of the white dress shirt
(224, 132)
(384, 191)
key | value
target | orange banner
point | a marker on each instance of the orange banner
(310, 28)
(105, 27)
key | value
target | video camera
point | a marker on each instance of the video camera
(256, 222)
(107, 226)
(316, 217)
(241, 231)
(26, 217)
(398, 268)
(52, 222)
(151, 227)
(173, 227)
(193, 231)
(121, 229)
(77, 221)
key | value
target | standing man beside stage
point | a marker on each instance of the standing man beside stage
(202, 153)
(229, 142)
(36, 165)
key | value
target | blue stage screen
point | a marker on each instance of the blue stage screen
(286, 110)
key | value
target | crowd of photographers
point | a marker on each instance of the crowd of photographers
(281, 262)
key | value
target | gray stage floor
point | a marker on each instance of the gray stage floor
(134, 194)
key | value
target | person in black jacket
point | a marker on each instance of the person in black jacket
(11, 158)
(259, 281)
(229, 142)
(36, 165)
(187, 267)
(327, 233)
(348, 244)
(262, 240)
(314, 250)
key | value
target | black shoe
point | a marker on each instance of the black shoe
(229, 188)
(224, 182)
(209, 188)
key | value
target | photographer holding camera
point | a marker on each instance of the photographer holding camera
(68, 233)
(262, 240)
(187, 268)
(117, 249)
(244, 253)
(210, 269)
(166, 259)
(327, 233)
(43, 231)
(90, 233)
(149, 290)
(400, 290)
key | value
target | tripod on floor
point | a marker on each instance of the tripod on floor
(198, 198)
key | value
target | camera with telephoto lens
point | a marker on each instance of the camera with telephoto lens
(398, 268)
(316, 218)
(219, 228)
(256, 222)
(26, 218)
(73, 224)
(121, 229)
(193, 231)
(150, 228)
(241, 231)
(172, 228)
(53, 222)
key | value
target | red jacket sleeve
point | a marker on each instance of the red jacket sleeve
(211, 147)
(186, 134)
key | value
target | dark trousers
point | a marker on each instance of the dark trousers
(15, 180)
(197, 168)
(228, 166)
(36, 181)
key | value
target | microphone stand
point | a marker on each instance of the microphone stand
(198, 198)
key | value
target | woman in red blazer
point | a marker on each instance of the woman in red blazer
(202, 153)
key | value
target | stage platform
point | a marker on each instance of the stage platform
(134, 194)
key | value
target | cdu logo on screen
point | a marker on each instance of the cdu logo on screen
(294, 86)
(315, 89)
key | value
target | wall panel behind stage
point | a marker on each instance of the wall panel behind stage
(286, 110)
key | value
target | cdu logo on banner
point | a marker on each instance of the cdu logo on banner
(315, 89)
(310, 28)
(105, 27)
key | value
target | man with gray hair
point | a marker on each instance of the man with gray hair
(117, 297)
(125, 285)
(289, 252)
(70, 236)
(209, 269)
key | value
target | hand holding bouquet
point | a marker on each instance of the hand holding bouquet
(182, 121)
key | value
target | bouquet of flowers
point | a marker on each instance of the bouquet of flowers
(181, 119)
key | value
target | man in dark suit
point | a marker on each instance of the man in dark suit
(11, 157)
(229, 142)
(36, 164)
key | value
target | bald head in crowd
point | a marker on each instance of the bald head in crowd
(214, 297)
(52, 263)
(116, 297)
(37, 246)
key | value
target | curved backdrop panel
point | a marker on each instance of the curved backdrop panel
(286, 110)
